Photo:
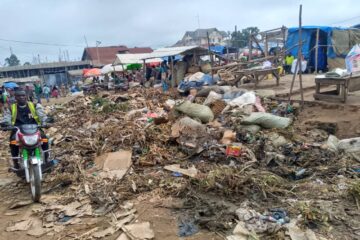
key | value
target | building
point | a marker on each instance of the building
(101, 56)
(199, 38)
(49, 73)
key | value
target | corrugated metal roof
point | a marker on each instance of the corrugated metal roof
(173, 51)
(44, 65)
(76, 72)
(105, 55)
(134, 58)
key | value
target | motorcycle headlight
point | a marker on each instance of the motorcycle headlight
(30, 140)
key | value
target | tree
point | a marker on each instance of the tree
(26, 64)
(240, 39)
(12, 60)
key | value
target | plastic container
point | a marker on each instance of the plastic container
(233, 150)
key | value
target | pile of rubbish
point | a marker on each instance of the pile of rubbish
(234, 156)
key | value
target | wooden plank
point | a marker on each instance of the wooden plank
(330, 81)
(317, 49)
(327, 97)
(299, 61)
(354, 84)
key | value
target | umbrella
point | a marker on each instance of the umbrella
(10, 85)
(110, 68)
(91, 72)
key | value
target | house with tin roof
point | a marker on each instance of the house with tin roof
(199, 38)
(101, 56)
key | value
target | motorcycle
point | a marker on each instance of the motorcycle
(31, 156)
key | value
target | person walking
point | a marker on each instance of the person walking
(46, 91)
(38, 92)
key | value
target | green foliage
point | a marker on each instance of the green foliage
(12, 60)
(105, 106)
(240, 39)
(98, 102)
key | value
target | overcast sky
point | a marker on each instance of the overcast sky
(155, 23)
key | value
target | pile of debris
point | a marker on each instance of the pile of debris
(235, 157)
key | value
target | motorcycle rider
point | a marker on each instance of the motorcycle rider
(24, 112)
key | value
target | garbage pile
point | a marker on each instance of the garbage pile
(234, 156)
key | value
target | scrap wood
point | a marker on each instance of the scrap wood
(91, 231)
(21, 204)
(20, 226)
(191, 172)
(139, 231)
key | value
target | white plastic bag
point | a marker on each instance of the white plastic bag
(212, 97)
(350, 145)
(352, 59)
(245, 99)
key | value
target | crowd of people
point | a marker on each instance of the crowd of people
(34, 93)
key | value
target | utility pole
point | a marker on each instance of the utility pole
(11, 52)
(97, 51)
(198, 20)
(60, 57)
(86, 42)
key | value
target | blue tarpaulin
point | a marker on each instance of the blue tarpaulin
(10, 85)
(308, 36)
(217, 49)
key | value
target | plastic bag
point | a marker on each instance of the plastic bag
(197, 111)
(267, 120)
(232, 94)
(350, 145)
(332, 143)
(212, 97)
(352, 60)
(244, 99)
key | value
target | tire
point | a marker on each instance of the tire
(35, 182)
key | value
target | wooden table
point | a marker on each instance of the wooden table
(254, 75)
(343, 86)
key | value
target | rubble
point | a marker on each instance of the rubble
(114, 164)
(121, 152)
(141, 231)
(20, 204)
(20, 226)
(191, 172)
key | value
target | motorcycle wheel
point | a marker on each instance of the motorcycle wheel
(35, 182)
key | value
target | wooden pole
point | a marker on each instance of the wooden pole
(266, 46)
(250, 48)
(211, 57)
(317, 49)
(298, 64)
(300, 56)
(172, 72)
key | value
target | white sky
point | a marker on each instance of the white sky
(142, 23)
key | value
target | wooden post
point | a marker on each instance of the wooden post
(317, 49)
(300, 56)
(172, 72)
(298, 64)
(144, 69)
(211, 57)
(266, 45)
(250, 48)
